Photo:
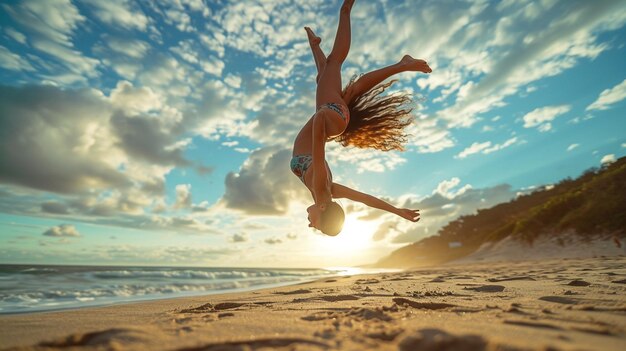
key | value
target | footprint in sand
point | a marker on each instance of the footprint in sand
(385, 335)
(559, 299)
(486, 288)
(532, 324)
(360, 313)
(401, 301)
(227, 305)
(115, 337)
(329, 298)
(206, 308)
(504, 279)
(578, 282)
(262, 344)
(293, 292)
(436, 340)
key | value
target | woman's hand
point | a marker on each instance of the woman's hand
(407, 213)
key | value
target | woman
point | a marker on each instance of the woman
(356, 116)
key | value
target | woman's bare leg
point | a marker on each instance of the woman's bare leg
(329, 86)
(318, 54)
(371, 79)
(341, 46)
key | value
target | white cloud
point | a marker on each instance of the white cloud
(183, 196)
(212, 65)
(233, 81)
(54, 20)
(185, 50)
(162, 72)
(230, 143)
(543, 115)
(239, 238)
(62, 134)
(474, 148)
(572, 147)
(264, 185)
(50, 25)
(105, 158)
(366, 160)
(429, 136)
(497, 147)
(609, 97)
(273, 241)
(180, 19)
(485, 147)
(72, 59)
(214, 40)
(544, 51)
(544, 127)
(15, 35)
(135, 100)
(608, 159)
(445, 204)
(134, 48)
(119, 13)
(445, 188)
(63, 230)
(12, 61)
(198, 6)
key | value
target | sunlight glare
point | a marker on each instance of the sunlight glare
(351, 242)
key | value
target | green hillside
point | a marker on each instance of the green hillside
(591, 205)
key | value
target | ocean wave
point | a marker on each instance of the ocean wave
(38, 270)
(38, 300)
(198, 274)
(44, 288)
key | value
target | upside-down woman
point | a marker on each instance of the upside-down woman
(358, 116)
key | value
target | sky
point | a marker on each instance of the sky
(159, 132)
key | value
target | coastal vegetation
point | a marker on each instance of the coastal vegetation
(591, 206)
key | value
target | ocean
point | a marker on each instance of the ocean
(34, 288)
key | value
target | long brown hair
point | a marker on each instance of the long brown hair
(377, 121)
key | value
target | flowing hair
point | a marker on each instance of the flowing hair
(377, 121)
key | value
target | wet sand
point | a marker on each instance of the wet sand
(557, 304)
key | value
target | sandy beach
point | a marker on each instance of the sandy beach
(558, 304)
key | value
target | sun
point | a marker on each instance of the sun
(351, 243)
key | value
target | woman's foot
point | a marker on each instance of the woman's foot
(412, 64)
(313, 39)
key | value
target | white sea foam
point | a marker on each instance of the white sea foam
(44, 288)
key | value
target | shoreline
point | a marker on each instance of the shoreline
(191, 294)
(565, 304)
(182, 295)
(56, 290)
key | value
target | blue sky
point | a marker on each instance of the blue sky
(159, 132)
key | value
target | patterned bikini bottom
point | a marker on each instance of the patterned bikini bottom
(301, 163)
(341, 109)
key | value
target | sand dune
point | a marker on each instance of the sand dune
(546, 247)
(559, 304)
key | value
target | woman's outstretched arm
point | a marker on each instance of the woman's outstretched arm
(342, 191)
(321, 187)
